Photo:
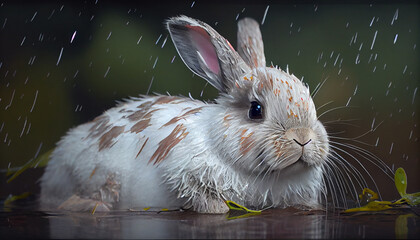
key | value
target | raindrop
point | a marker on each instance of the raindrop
(390, 150)
(237, 16)
(106, 73)
(192, 4)
(158, 39)
(33, 104)
(377, 142)
(75, 74)
(109, 35)
(265, 14)
(138, 41)
(371, 22)
(370, 58)
(23, 40)
(154, 64)
(357, 61)
(361, 45)
(374, 38)
(348, 102)
(355, 90)
(373, 123)
(1, 128)
(4, 23)
(173, 59)
(405, 69)
(61, 8)
(150, 85)
(59, 57)
(409, 137)
(24, 126)
(164, 41)
(33, 17)
(395, 39)
(72, 37)
(395, 17)
(11, 100)
(29, 128)
(414, 95)
(52, 13)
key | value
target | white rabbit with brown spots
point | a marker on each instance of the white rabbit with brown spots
(259, 144)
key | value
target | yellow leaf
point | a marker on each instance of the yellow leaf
(371, 207)
(234, 206)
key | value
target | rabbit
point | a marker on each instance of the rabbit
(259, 144)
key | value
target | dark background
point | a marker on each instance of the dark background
(119, 47)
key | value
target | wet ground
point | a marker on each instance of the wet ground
(275, 223)
(21, 220)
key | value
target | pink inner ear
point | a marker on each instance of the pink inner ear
(201, 39)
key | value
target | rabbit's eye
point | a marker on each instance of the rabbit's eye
(255, 111)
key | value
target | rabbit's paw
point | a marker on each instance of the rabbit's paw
(76, 203)
(211, 205)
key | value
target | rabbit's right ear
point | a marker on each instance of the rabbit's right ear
(250, 43)
(206, 53)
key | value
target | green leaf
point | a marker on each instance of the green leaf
(401, 181)
(12, 198)
(413, 198)
(41, 161)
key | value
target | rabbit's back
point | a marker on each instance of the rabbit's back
(119, 154)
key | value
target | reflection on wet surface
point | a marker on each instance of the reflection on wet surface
(273, 223)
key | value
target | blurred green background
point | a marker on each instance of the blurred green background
(62, 64)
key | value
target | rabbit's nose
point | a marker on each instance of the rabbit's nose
(302, 144)
(301, 136)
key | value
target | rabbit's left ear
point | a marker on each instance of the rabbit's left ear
(206, 53)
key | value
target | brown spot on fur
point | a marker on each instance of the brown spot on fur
(166, 145)
(140, 125)
(246, 142)
(141, 114)
(183, 116)
(147, 104)
(226, 119)
(144, 121)
(279, 148)
(99, 126)
(141, 149)
(106, 140)
(93, 172)
(165, 99)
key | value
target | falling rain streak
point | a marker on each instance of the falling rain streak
(33, 104)
(73, 36)
(374, 38)
(59, 56)
(265, 15)
(107, 70)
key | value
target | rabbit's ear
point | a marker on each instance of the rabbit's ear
(206, 53)
(250, 43)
